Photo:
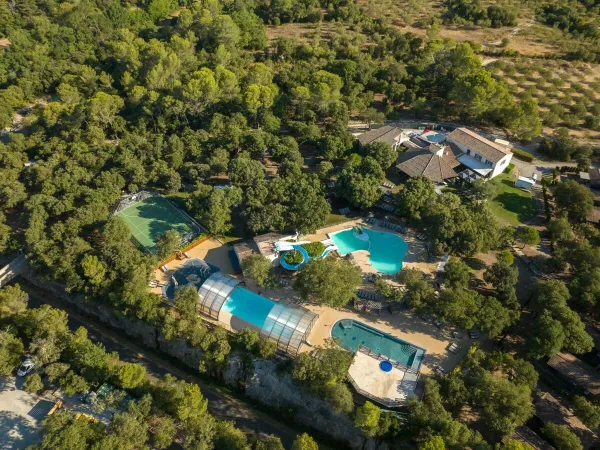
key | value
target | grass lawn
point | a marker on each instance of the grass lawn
(511, 205)
(333, 219)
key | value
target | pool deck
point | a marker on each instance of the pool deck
(416, 256)
(368, 377)
(406, 326)
(212, 251)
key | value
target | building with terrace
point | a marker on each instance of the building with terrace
(483, 158)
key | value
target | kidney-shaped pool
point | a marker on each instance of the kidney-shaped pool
(387, 250)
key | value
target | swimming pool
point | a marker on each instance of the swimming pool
(386, 250)
(350, 334)
(248, 306)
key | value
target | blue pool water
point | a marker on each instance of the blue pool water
(387, 250)
(351, 334)
(248, 306)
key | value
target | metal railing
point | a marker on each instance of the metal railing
(384, 401)
(380, 357)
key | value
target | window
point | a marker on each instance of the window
(468, 152)
(477, 157)
(489, 163)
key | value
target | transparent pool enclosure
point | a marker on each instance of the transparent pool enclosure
(222, 298)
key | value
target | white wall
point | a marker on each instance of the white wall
(501, 165)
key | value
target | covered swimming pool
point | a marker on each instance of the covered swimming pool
(387, 250)
(248, 306)
(351, 334)
(222, 298)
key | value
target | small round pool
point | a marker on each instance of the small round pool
(385, 366)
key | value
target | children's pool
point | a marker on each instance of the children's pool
(387, 250)
(351, 334)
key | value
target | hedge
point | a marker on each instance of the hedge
(523, 156)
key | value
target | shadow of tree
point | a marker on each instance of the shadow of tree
(523, 207)
(475, 263)
(16, 432)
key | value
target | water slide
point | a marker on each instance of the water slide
(287, 266)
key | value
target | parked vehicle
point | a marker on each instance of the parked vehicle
(27, 366)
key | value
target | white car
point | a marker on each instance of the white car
(27, 366)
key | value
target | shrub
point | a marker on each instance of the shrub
(314, 249)
(509, 169)
(523, 156)
(293, 257)
(33, 383)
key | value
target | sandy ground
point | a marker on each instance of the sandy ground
(416, 257)
(211, 251)
(406, 326)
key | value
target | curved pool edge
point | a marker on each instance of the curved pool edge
(372, 262)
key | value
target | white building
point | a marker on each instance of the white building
(483, 157)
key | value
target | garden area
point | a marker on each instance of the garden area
(510, 204)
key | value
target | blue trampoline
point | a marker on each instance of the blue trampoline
(193, 272)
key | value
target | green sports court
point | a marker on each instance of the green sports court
(150, 216)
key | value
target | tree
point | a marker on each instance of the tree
(382, 152)
(367, 418)
(324, 168)
(503, 277)
(61, 430)
(435, 443)
(418, 192)
(244, 171)
(269, 443)
(164, 432)
(505, 257)
(11, 351)
(340, 397)
(266, 348)
(528, 236)
(104, 108)
(304, 442)
(586, 411)
(33, 383)
(13, 301)
(560, 229)
(55, 371)
(328, 281)
(575, 199)
(481, 190)
(212, 206)
(167, 243)
(228, 437)
(160, 9)
(547, 337)
(130, 375)
(511, 444)
(561, 437)
(72, 383)
(260, 269)
(456, 274)
(93, 269)
(505, 405)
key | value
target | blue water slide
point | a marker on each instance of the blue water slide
(287, 266)
(325, 252)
